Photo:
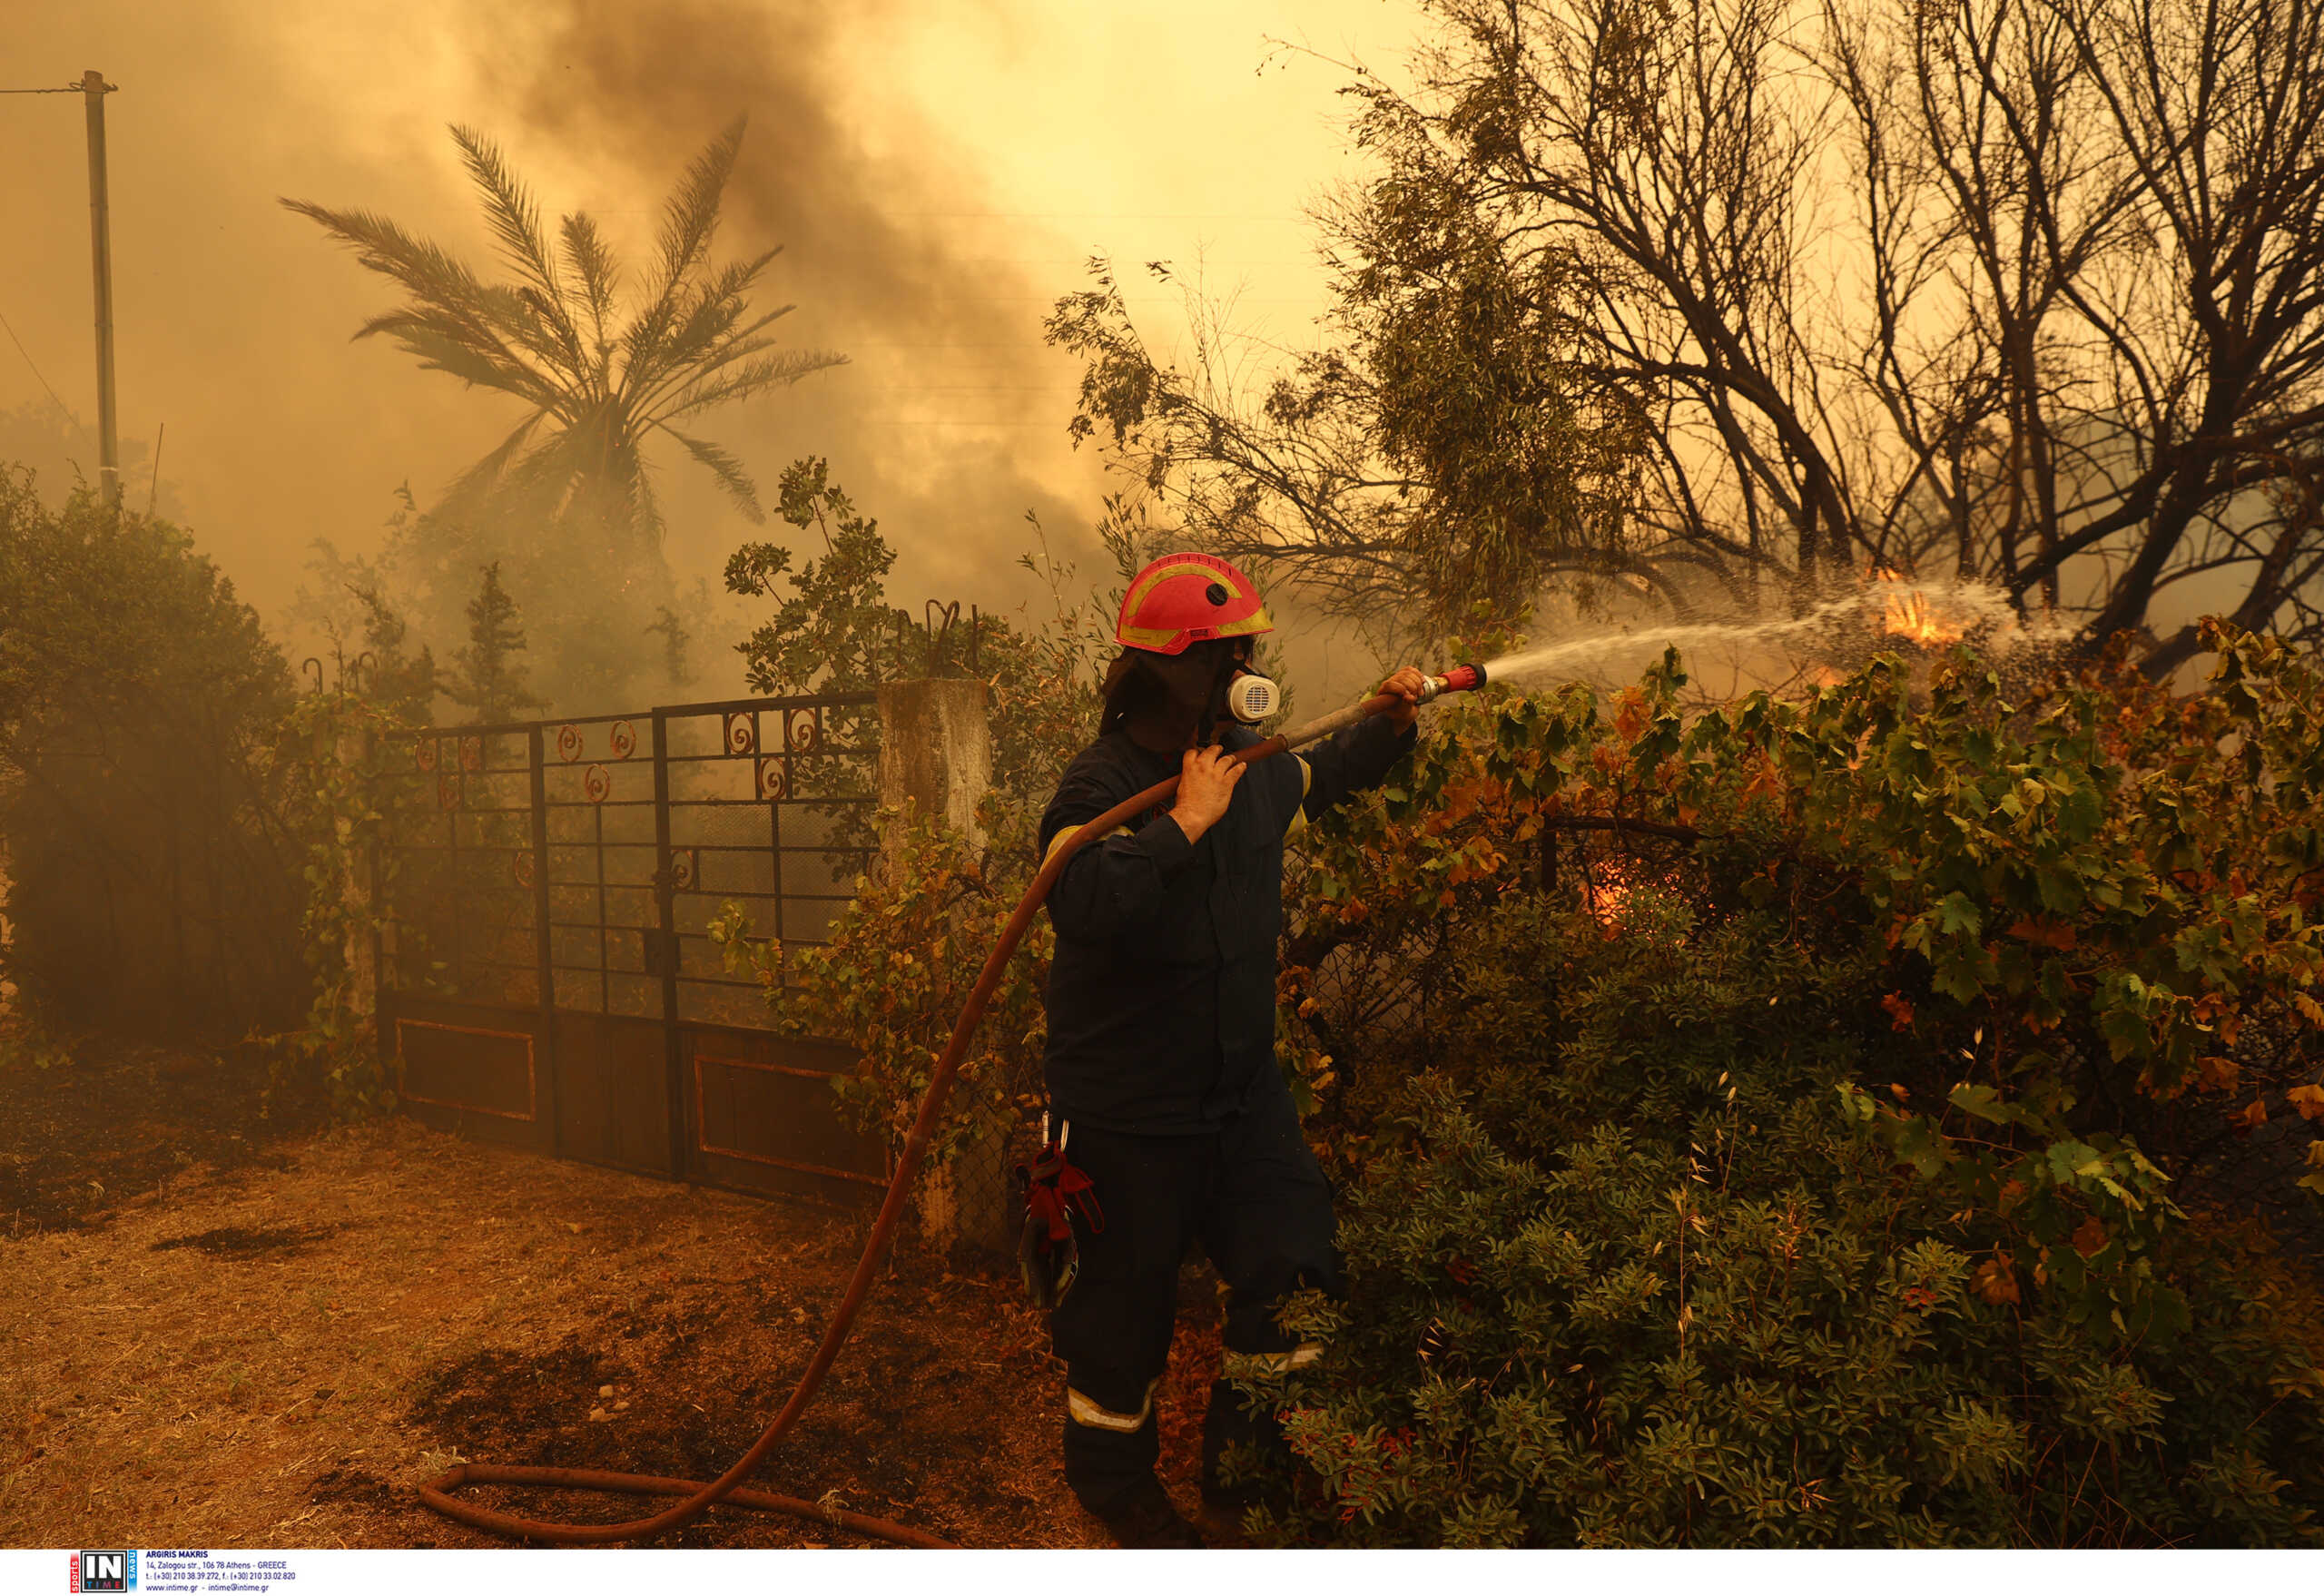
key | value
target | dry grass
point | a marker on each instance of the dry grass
(275, 1355)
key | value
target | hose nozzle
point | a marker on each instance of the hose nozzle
(1460, 678)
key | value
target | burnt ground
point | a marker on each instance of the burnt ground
(273, 1340)
(88, 1121)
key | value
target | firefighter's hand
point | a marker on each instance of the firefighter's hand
(1408, 683)
(1207, 779)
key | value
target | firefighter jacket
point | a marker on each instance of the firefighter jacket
(1161, 993)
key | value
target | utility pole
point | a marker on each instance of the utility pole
(93, 90)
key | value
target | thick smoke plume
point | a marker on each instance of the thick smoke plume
(635, 91)
(233, 317)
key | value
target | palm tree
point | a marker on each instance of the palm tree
(549, 337)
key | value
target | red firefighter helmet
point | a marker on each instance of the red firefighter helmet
(1183, 599)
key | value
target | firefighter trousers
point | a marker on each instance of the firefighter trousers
(1250, 1194)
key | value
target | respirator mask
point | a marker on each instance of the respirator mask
(1237, 693)
(1249, 698)
(1217, 685)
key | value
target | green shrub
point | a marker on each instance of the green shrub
(907, 949)
(1764, 1130)
(902, 958)
(139, 697)
(1634, 1278)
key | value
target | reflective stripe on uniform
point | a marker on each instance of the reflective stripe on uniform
(1092, 1415)
(1067, 836)
(1299, 810)
(1265, 1366)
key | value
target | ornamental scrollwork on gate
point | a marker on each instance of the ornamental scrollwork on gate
(803, 730)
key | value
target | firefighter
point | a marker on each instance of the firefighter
(1161, 1061)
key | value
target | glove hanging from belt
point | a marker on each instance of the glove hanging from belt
(1050, 1191)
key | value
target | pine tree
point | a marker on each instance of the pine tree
(491, 680)
(404, 685)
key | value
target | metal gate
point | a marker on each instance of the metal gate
(547, 976)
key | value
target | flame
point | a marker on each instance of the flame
(1606, 892)
(1909, 615)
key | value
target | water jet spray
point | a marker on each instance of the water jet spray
(1922, 613)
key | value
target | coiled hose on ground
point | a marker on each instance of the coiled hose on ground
(698, 1498)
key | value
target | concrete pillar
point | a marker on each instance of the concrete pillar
(936, 759)
(935, 752)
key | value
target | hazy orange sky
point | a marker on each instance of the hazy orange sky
(937, 173)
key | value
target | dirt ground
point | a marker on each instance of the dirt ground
(220, 1330)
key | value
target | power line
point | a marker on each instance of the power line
(12, 331)
(68, 89)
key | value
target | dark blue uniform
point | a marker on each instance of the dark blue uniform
(1161, 1057)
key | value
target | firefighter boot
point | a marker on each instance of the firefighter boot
(1145, 1517)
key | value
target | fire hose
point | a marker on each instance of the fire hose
(728, 1488)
